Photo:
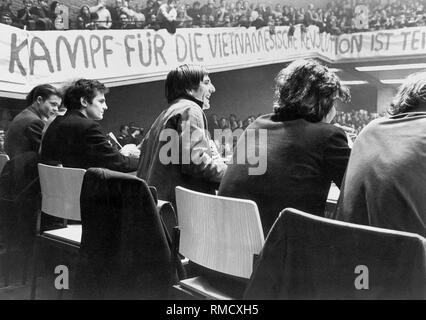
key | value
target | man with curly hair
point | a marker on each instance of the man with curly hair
(304, 152)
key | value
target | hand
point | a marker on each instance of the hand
(130, 150)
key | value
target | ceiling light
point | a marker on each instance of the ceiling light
(392, 81)
(393, 67)
(353, 82)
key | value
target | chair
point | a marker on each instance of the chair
(310, 257)
(222, 235)
(3, 159)
(60, 190)
(19, 204)
(124, 253)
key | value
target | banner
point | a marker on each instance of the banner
(117, 56)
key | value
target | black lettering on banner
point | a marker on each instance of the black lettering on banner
(44, 57)
(14, 54)
(128, 48)
(72, 53)
(105, 49)
(94, 50)
(148, 50)
(180, 39)
(197, 46)
(158, 48)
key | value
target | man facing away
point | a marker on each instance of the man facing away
(76, 139)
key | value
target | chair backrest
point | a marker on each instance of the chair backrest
(310, 257)
(3, 159)
(60, 190)
(219, 233)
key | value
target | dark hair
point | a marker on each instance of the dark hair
(306, 89)
(82, 88)
(410, 94)
(44, 91)
(182, 79)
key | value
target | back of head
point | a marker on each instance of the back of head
(411, 94)
(305, 89)
(83, 88)
(44, 91)
(183, 79)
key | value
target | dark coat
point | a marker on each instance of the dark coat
(305, 258)
(78, 142)
(302, 159)
(24, 133)
(187, 120)
(385, 182)
(125, 253)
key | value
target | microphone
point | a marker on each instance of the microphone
(345, 128)
(113, 138)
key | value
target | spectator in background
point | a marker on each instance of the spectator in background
(25, 16)
(125, 23)
(238, 11)
(182, 18)
(209, 8)
(5, 7)
(257, 20)
(150, 10)
(85, 19)
(6, 18)
(115, 12)
(132, 15)
(221, 11)
(153, 23)
(104, 20)
(167, 15)
(44, 16)
(195, 13)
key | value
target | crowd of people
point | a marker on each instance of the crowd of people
(337, 17)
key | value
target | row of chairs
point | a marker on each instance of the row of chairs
(304, 256)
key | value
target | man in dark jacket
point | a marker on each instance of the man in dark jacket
(386, 176)
(25, 131)
(76, 139)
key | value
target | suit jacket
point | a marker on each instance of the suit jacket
(24, 133)
(176, 152)
(20, 196)
(301, 159)
(385, 183)
(308, 258)
(124, 251)
(78, 142)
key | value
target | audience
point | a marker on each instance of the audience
(337, 17)
(304, 153)
(386, 177)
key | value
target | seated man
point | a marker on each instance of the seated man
(187, 159)
(76, 139)
(386, 176)
(104, 20)
(25, 130)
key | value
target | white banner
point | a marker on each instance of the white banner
(120, 56)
